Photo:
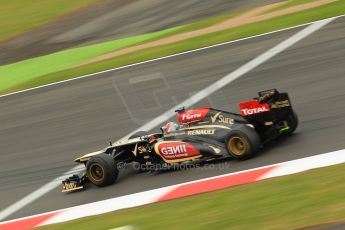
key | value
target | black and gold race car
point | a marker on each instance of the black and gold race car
(202, 134)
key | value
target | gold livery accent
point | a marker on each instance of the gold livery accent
(237, 146)
(142, 149)
(186, 131)
(201, 132)
(67, 186)
(87, 157)
(204, 122)
(266, 95)
(135, 150)
(182, 159)
(219, 117)
(70, 186)
(207, 127)
(280, 104)
(127, 141)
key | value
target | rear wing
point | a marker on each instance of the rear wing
(270, 105)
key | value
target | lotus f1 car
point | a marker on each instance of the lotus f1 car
(200, 135)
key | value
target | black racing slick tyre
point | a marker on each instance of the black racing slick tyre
(243, 143)
(101, 170)
(139, 134)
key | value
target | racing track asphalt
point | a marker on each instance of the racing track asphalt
(42, 131)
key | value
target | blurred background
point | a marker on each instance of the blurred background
(75, 74)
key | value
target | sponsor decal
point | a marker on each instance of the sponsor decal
(280, 104)
(253, 107)
(201, 132)
(68, 185)
(266, 95)
(219, 117)
(142, 149)
(135, 150)
(192, 115)
(252, 111)
(177, 150)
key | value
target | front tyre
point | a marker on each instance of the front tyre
(101, 170)
(242, 144)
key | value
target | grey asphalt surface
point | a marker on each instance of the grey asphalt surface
(112, 19)
(42, 131)
(334, 226)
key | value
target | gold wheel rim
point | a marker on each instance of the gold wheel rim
(96, 172)
(237, 146)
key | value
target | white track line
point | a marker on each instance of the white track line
(189, 102)
(37, 193)
(202, 94)
(165, 57)
(155, 195)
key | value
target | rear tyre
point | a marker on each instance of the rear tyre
(139, 134)
(243, 144)
(101, 170)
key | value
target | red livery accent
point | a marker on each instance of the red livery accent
(176, 150)
(28, 222)
(192, 115)
(217, 183)
(253, 107)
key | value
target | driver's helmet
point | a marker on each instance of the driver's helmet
(170, 127)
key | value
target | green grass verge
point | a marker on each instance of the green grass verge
(18, 73)
(19, 16)
(292, 202)
(24, 75)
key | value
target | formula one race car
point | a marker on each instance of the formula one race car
(200, 135)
